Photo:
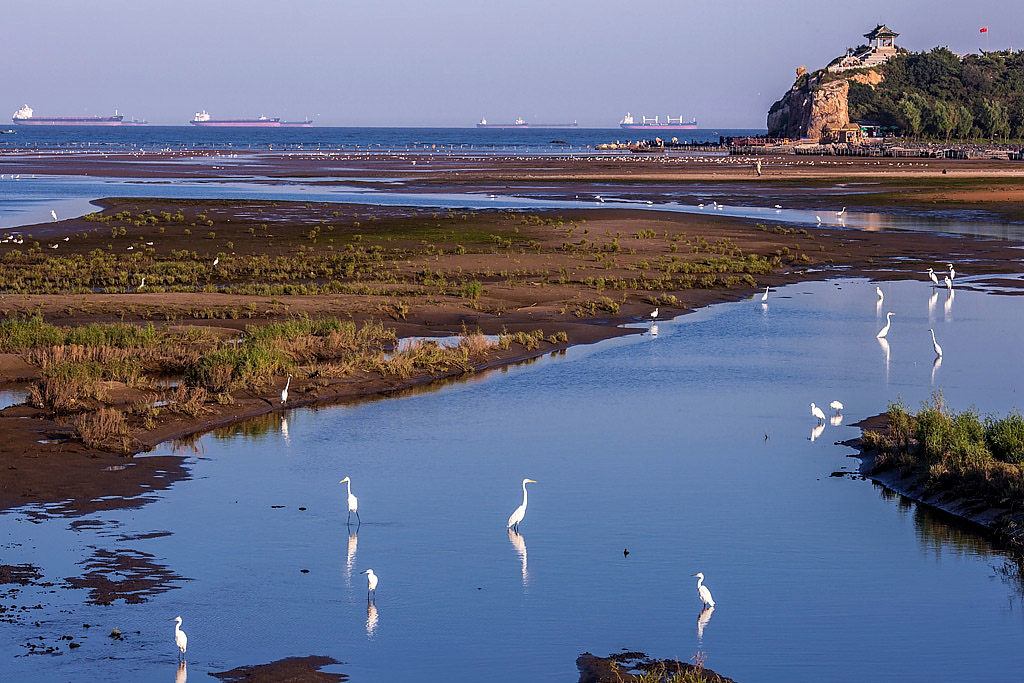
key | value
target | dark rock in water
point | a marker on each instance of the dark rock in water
(629, 667)
(290, 669)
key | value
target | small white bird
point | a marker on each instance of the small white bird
(888, 322)
(878, 291)
(54, 214)
(520, 512)
(216, 260)
(778, 206)
(371, 583)
(353, 502)
(764, 297)
(180, 639)
(67, 239)
(836, 406)
(816, 412)
(284, 392)
(949, 283)
(840, 214)
(933, 277)
(817, 218)
(935, 345)
(654, 314)
(952, 273)
(141, 284)
(702, 591)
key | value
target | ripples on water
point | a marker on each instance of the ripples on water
(689, 449)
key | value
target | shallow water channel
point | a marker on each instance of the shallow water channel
(692, 449)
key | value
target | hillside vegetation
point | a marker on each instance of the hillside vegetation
(936, 94)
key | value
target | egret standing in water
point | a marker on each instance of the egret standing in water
(840, 214)
(949, 283)
(888, 322)
(881, 296)
(764, 297)
(520, 512)
(702, 591)
(54, 214)
(284, 392)
(353, 502)
(933, 277)
(180, 639)
(816, 412)
(654, 314)
(952, 273)
(371, 583)
(836, 406)
(935, 345)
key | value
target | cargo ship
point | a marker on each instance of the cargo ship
(203, 119)
(520, 123)
(25, 117)
(655, 123)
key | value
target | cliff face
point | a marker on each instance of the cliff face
(808, 107)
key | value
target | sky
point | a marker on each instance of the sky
(451, 62)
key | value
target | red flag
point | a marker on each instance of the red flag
(984, 29)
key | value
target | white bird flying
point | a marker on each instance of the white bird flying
(371, 583)
(933, 277)
(180, 639)
(520, 512)
(816, 412)
(764, 297)
(888, 322)
(702, 591)
(353, 502)
(935, 345)
(836, 406)
(284, 392)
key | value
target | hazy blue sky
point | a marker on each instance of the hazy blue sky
(447, 63)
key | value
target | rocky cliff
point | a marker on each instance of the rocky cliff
(811, 105)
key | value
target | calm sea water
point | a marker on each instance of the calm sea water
(692, 449)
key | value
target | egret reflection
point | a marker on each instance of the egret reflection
(947, 307)
(884, 343)
(836, 420)
(702, 620)
(371, 620)
(935, 366)
(181, 675)
(519, 543)
(817, 430)
(931, 304)
(350, 558)
(284, 430)
(654, 329)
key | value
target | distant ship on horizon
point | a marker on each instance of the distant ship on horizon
(520, 123)
(203, 119)
(26, 117)
(655, 123)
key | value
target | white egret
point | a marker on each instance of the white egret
(284, 392)
(888, 322)
(949, 283)
(816, 412)
(54, 214)
(840, 214)
(216, 260)
(881, 296)
(778, 206)
(703, 592)
(764, 297)
(520, 512)
(817, 218)
(935, 344)
(933, 277)
(952, 273)
(180, 639)
(836, 406)
(371, 583)
(654, 314)
(353, 502)
(141, 284)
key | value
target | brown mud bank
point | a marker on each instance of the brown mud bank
(287, 670)
(996, 518)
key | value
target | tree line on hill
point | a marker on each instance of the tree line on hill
(937, 94)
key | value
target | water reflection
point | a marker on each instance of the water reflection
(371, 620)
(835, 420)
(702, 620)
(816, 432)
(884, 343)
(519, 543)
(936, 364)
(181, 675)
(947, 307)
(931, 304)
(350, 558)
(654, 329)
(284, 431)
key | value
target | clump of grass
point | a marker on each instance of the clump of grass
(105, 429)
